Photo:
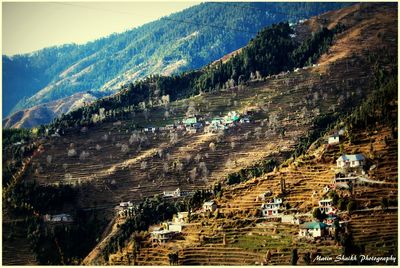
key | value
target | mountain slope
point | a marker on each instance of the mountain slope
(113, 161)
(44, 113)
(236, 234)
(165, 46)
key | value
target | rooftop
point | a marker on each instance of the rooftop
(351, 157)
(209, 203)
(313, 225)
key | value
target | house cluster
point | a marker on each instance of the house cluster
(124, 209)
(58, 218)
(351, 168)
(315, 229)
(169, 230)
(197, 123)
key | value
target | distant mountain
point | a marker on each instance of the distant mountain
(44, 113)
(184, 40)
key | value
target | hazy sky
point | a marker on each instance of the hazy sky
(31, 26)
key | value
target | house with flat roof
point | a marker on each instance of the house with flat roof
(326, 206)
(162, 236)
(271, 208)
(333, 140)
(175, 193)
(209, 206)
(181, 217)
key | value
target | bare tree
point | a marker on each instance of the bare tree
(188, 157)
(124, 148)
(197, 158)
(72, 152)
(133, 138)
(143, 165)
(160, 152)
(191, 111)
(179, 166)
(146, 114)
(258, 75)
(233, 144)
(203, 169)
(273, 119)
(165, 99)
(193, 174)
(173, 136)
(166, 114)
(83, 155)
(257, 133)
(212, 146)
(165, 167)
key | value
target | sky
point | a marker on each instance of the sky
(30, 26)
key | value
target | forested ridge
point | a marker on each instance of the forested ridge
(183, 41)
(271, 51)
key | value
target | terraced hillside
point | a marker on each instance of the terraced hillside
(117, 161)
(236, 234)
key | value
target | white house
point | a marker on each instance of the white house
(333, 140)
(126, 204)
(182, 217)
(162, 236)
(176, 193)
(174, 226)
(325, 205)
(209, 206)
(350, 160)
(344, 182)
(271, 208)
(313, 229)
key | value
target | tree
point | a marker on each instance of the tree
(317, 214)
(334, 196)
(384, 203)
(351, 206)
(295, 257)
(307, 258)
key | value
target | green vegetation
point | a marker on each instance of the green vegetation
(379, 107)
(272, 51)
(11, 136)
(26, 198)
(294, 257)
(64, 243)
(17, 145)
(188, 40)
(321, 125)
(252, 172)
(54, 243)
